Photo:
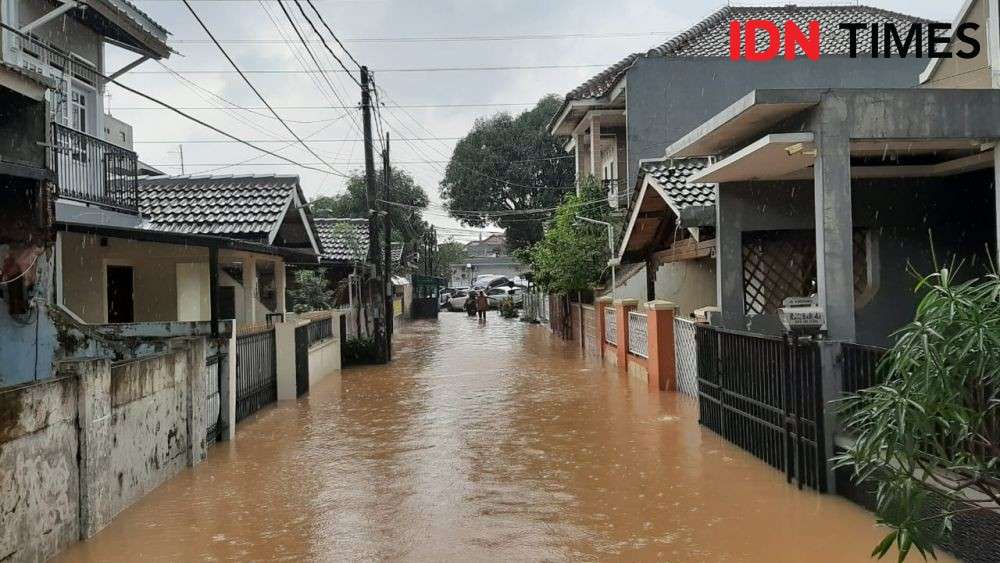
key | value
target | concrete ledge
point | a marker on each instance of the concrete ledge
(627, 302)
(661, 306)
(323, 344)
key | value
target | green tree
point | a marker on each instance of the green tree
(931, 430)
(407, 222)
(311, 292)
(449, 254)
(572, 255)
(505, 164)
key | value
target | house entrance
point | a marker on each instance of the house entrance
(121, 304)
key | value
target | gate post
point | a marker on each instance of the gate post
(284, 345)
(227, 390)
(662, 359)
(622, 309)
(831, 387)
(599, 306)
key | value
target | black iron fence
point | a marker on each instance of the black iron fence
(765, 395)
(303, 340)
(256, 372)
(216, 362)
(95, 171)
(319, 330)
(859, 366)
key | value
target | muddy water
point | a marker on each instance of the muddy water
(492, 442)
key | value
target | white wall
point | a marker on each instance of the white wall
(193, 292)
(689, 284)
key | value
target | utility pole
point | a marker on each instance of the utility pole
(374, 256)
(387, 252)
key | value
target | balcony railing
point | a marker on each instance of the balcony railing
(95, 171)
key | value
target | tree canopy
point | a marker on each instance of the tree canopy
(407, 223)
(505, 164)
(573, 254)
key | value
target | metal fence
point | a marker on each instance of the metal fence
(256, 373)
(765, 395)
(859, 366)
(686, 352)
(216, 361)
(638, 337)
(93, 170)
(610, 326)
(303, 340)
(319, 330)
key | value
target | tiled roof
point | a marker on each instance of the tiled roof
(672, 176)
(140, 18)
(216, 205)
(344, 240)
(710, 37)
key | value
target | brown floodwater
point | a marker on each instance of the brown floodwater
(482, 443)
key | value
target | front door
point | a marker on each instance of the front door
(121, 307)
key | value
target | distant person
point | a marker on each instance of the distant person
(482, 304)
(470, 304)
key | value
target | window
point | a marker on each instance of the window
(80, 109)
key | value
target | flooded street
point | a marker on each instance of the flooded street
(493, 442)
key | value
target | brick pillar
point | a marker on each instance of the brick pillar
(622, 309)
(662, 364)
(599, 307)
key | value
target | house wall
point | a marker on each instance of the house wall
(39, 473)
(64, 32)
(669, 97)
(966, 73)
(171, 281)
(78, 449)
(903, 215)
(689, 284)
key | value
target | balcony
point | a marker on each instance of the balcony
(95, 171)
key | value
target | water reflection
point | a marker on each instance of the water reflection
(492, 442)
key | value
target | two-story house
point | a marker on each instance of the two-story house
(83, 241)
(618, 124)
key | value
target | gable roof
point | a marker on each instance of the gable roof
(671, 178)
(344, 240)
(240, 206)
(710, 37)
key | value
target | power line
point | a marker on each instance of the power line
(226, 141)
(455, 38)
(250, 84)
(302, 11)
(334, 35)
(181, 112)
(411, 106)
(390, 70)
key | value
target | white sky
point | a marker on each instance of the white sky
(376, 32)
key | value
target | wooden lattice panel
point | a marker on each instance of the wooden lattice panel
(780, 264)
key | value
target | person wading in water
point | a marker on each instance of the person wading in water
(470, 303)
(482, 304)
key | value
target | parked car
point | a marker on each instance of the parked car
(457, 300)
(498, 294)
(444, 298)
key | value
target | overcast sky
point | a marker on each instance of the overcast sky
(394, 38)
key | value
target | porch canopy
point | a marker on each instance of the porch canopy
(832, 161)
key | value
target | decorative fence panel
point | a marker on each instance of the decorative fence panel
(765, 395)
(256, 372)
(859, 366)
(610, 326)
(638, 339)
(590, 330)
(319, 330)
(686, 352)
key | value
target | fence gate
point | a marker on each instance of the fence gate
(215, 362)
(256, 372)
(302, 341)
(765, 395)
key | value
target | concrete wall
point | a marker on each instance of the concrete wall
(967, 73)
(39, 486)
(324, 356)
(78, 449)
(689, 284)
(669, 97)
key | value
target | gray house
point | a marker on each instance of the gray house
(619, 122)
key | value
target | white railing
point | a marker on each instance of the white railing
(610, 326)
(638, 339)
(686, 350)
